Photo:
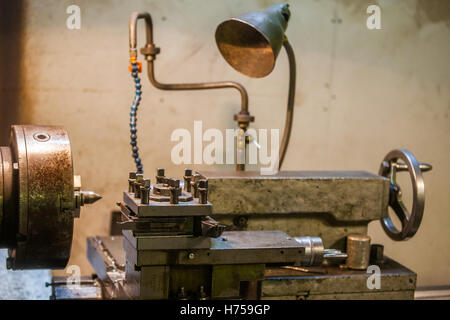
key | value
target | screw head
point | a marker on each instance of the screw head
(203, 183)
(174, 183)
(132, 175)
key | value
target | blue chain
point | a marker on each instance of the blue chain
(133, 118)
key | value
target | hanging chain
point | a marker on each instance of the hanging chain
(135, 68)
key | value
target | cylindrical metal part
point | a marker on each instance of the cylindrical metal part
(187, 180)
(358, 251)
(137, 190)
(332, 255)
(194, 185)
(313, 251)
(145, 194)
(174, 188)
(160, 173)
(38, 202)
(131, 181)
(203, 191)
(137, 185)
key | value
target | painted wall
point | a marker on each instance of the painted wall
(360, 94)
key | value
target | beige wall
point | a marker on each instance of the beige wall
(360, 94)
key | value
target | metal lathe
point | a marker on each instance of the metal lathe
(212, 234)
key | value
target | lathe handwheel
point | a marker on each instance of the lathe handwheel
(410, 221)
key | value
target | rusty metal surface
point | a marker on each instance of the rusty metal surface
(43, 180)
(162, 209)
(251, 42)
(38, 202)
(264, 247)
(397, 282)
(326, 204)
(346, 195)
(326, 282)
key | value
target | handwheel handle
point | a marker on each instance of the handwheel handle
(410, 221)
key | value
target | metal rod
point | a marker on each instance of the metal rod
(199, 86)
(135, 16)
(290, 104)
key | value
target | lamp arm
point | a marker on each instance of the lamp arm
(290, 104)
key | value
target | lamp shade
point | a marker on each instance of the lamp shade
(251, 42)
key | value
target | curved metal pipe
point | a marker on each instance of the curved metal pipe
(290, 104)
(150, 51)
(150, 57)
(135, 16)
(199, 86)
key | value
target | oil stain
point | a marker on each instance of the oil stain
(432, 11)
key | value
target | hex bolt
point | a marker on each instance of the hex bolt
(9, 263)
(145, 195)
(137, 185)
(202, 293)
(174, 187)
(187, 180)
(145, 191)
(137, 190)
(131, 181)
(203, 191)
(160, 174)
(377, 254)
(147, 183)
(194, 184)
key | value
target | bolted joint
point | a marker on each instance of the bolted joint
(131, 181)
(187, 180)
(203, 191)
(174, 188)
(133, 55)
(145, 191)
(244, 118)
(150, 51)
(137, 185)
(194, 185)
(160, 175)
